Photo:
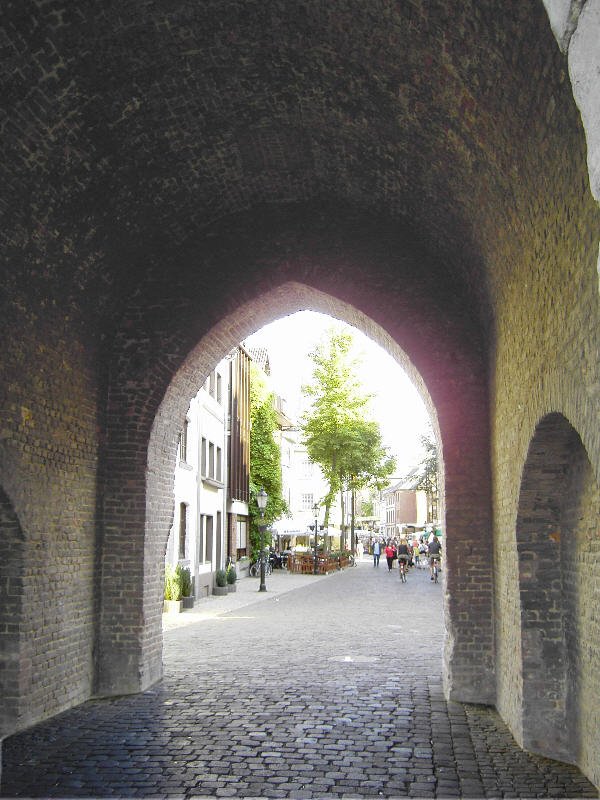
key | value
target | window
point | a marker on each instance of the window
(209, 539)
(182, 529)
(219, 472)
(219, 389)
(241, 534)
(211, 460)
(183, 441)
(212, 383)
(307, 468)
(307, 501)
(219, 534)
(203, 457)
(201, 539)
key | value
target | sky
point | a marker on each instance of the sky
(397, 405)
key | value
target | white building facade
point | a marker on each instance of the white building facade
(197, 537)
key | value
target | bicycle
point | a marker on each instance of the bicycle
(435, 568)
(254, 570)
(402, 565)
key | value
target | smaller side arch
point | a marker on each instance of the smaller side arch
(12, 667)
(559, 584)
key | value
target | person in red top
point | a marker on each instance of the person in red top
(390, 555)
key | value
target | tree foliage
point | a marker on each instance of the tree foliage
(337, 432)
(265, 457)
(425, 476)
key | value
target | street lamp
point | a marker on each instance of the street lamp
(261, 500)
(316, 556)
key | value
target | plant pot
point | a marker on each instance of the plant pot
(231, 587)
(188, 602)
(220, 590)
(172, 606)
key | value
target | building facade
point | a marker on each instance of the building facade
(210, 520)
(196, 539)
(238, 450)
(403, 507)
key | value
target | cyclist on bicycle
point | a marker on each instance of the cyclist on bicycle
(403, 554)
(434, 551)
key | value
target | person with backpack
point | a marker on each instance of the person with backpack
(434, 551)
(404, 551)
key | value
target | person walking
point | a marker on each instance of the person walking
(390, 553)
(415, 550)
(376, 552)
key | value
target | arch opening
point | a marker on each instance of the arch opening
(464, 460)
(559, 579)
(202, 360)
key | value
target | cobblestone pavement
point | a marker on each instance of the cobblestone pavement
(322, 686)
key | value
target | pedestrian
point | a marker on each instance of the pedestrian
(415, 549)
(389, 555)
(376, 552)
(359, 550)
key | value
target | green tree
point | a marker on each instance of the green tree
(425, 476)
(337, 433)
(366, 463)
(265, 458)
(367, 507)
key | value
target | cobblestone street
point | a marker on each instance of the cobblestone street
(323, 686)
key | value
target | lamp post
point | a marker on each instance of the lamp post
(261, 500)
(316, 554)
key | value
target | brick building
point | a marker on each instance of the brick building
(403, 506)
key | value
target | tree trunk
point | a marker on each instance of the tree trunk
(352, 531)
(343, 522)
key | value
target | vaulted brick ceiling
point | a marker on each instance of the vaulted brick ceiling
(135, 125)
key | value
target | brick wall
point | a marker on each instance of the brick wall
(48, 463)
(399, 295)
(171, 183)
(11, 601)
(559, 587)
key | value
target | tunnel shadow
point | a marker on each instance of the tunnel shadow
(13, 666)
(559, 576)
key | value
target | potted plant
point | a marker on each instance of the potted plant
(220, 587)
(186, 587)
(172, 602)
(231, 578)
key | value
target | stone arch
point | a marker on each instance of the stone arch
(430, 330)
(12, 666)
(559, 576)
(247, 319)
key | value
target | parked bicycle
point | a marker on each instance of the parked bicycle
(254, 570)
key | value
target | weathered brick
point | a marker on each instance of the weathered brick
(174, 178)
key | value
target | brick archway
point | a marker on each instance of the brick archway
(559, 576)
(428, 328)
